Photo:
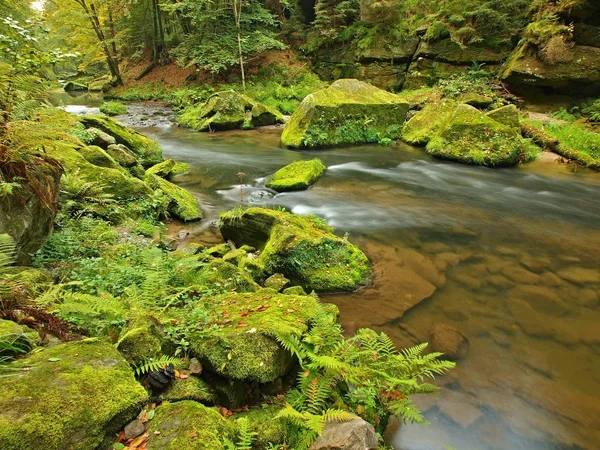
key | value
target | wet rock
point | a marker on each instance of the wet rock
(520, 275)
(529, 319)
(536, 264)
(541, 298)
(121, 154)
(469, 281)
(421, 264)
(76, 395)
(296, 176)
(134, 429)
(353, 435)
(337, 115)
(459, 408)
(550, 279)
(449, 341)
(587, 297)
(195, 367)
(580, 275)
(454, 313)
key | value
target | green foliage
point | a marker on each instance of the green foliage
(592, 111)
(245, 436)
(113, 108)
(436, 31)
(99, 315)
(7, 251)
(576, 142)
(156, 363)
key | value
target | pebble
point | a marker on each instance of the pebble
(580, 275)
(134, 429)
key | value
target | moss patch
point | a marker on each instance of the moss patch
(244, 347)
(506, 115)
(348, 112)
(426, 124)
(98, 157)
(183, 204)
(140, 340)
(191, 388)
(168, 168)
(303, 249)
(262, 421)
(122, 155)
(296, 176)
(228, 110)
(113, 108)
(76, 395)
(144, 148)
(188, 425)
(16, 335)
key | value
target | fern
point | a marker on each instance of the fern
(152, 364)
(7, 251)
(246, 436)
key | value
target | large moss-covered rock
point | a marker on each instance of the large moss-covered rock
(507, 115)
(223, 276)
(244, 344)
(168, 168)
(426, 124)
(296, 176)
(147, 150)
(182, 203)
(579, 75)
(75, 395)
(19, 336)
(188, 425)
(24, 215)
(141, 339)
(262, 421)
(228, 110)
(113, 181)
(190, 388)
(98, 157)
(347, 112)
(122, 155)
(303, 249)
(471, 137)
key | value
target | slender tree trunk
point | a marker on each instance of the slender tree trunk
(113, 35)
(237, 11)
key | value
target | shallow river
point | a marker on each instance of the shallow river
(510, 257)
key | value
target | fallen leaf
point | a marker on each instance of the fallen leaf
(193, 435)
(150, 414)
(54, 359)
(121, 436)
(242, 325)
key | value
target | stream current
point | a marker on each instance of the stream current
(510, 257)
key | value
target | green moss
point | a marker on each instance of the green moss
(294, 290)
(144, 148)
(436, 31)
(191, 388)
(122, 155)
(303, 249)
(506, 115)
(470, 137)
(277, 282)
(223, 276)
(235, 256)
(182, 204)
(228, 110)
(76, 395)
(231, 394)
(426, 124)
(98, 157)
(188, 425)
(100, 84)
(348, 112)
(19, 336)
(114, 181)
(219, 250)
(244, 346)
(168, 168)
(296, 176)
(113, 108)
(476, 100)
(262, 421)
(141, 339)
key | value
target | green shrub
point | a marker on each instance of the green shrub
(436, 31)
(113, 108)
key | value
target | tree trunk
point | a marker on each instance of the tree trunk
(237, 11)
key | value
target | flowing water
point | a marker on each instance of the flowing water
(510, 257)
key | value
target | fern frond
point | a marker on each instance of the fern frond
(245, 435)
(7, 251)
(152, 364)
(338, 415)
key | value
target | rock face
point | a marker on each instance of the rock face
(229, 110)
(353, 435)
(462, 133)
(25, 216)
(188, 425)
(244, 347)
(449, 341)
(347, 112)
(296, 176)
(75, 395)
(301, 248)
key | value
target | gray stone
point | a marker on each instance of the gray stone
(353, 435)
(195, 367)
(134, 429)
(102, 139)
(122, 154)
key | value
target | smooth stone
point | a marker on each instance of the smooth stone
(520, 275)
(455, 313)
(541, 298)
(499, 281)
(580, 275)
(134, 429)
(587, 297)
(195, 367)
(529, 319)
(459, 408)
(509, 251)
(356, 434)
(469, 281)
(550, 279)
(536, 264)
(449, 341)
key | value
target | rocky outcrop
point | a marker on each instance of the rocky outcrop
(229, 110)
(76, 395)
(347, 112)
(301, 248)
(296, 176)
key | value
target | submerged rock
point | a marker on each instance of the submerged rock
(303, 249)
(296, 176)
(76, 395)
(449, 341)
(244, 346)
(188, 425)
(228, 110)
(347, 112)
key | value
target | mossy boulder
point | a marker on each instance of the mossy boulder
(190, 388)
(100, 84)
(471, 137)
(113, 108)
(146, 150)
(244, 344)
(73, 86)
(117, 182)
(506, 115)
(304, 249)
(19, 336)
(347, 112)
(262, 421)
(228, 110)
(100, 138)
(188, 425)
(168, 168)
(296, 176)
(426, 124)
(476, 100)
(76, 395)
(223, 275)
(235, 256)
(294, 290)
(277, 282)
(182, 203)
(98, 157)
(122, 155)
(141, 339)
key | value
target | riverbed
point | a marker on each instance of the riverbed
(510, 257)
